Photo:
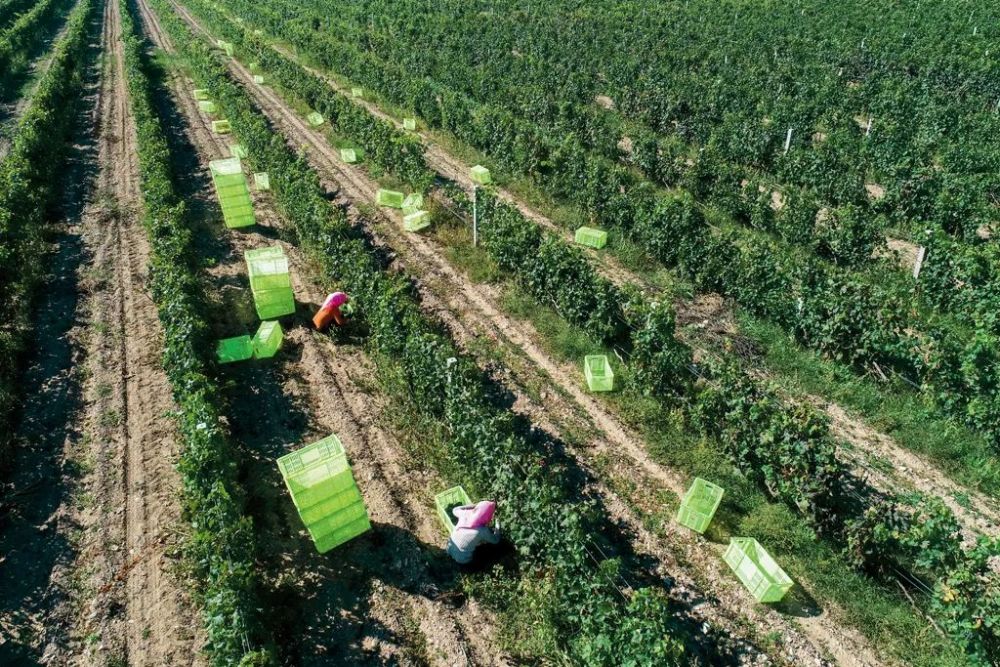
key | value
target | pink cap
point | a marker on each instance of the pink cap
(480, 515)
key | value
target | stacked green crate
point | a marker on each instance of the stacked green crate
(315, 119)
(348, 155)
(414, 202)
(270, 282)
(391, 198)
(234, 196)
(324, 492)
(267, 340)
(410, 124)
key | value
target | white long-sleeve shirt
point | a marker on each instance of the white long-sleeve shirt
(463, 542)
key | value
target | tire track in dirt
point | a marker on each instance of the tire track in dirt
(326, 377)
(848, 647)
(980, 515)
(139, 610)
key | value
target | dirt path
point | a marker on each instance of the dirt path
(476, 304)
(111, 595)
(392, 603)
(869, 448)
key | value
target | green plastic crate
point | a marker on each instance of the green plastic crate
(699, 504)
(258, 79)
(238, 151)
(229, 350)
(348, 532)
(328, 506)
(221, 127)
(267, 268)
(590, 237)
(261, 181)
(227, 47)
(410, 124)
(314, 118)
(348, 155)
(297, 461)
(231, 188)
(389, 198)
(337, 520)
(357, 92)
(207, 106)
(272, 304)
(200, 94)
(320, 481)
(414, 222)
(268, 252)
(481, 175)
(453, 497)
(267, 340)
(597, 370)
(753, 566)
(413, 202)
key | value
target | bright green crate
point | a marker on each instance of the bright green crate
(297, 461)
(267, 252)
(590, 237)
(320, 481)
(258, 79)
(410, 124)
(314, 118)
(453, 497)
(413, 202)
(225, 46)
(481, 175)
(414, 222)
(267, 340)
(261, 181)
(699, 504)
(753, 566)
(337, 520)
(329, 506)
(200, 94)
(343, 535)
(234, 196)
(272, 304)
(221, 127)
(357, 92)
(269, 274)
(237, 151)
(207, 106)
(389, 198)
(597, 370)
(229, 350)
(348, 155)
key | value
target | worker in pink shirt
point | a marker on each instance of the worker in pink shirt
(471, 530)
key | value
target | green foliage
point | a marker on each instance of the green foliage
(30, 178)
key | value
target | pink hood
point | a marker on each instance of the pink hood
(478, 516)
(335, 300)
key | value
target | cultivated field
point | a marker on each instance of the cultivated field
(776, 224)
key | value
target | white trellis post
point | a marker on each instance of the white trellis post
(868, 130)
(788, 140)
